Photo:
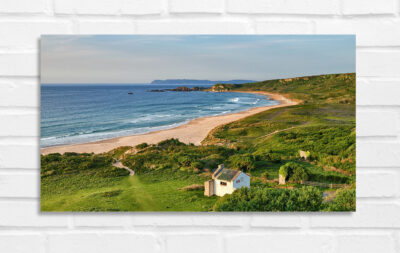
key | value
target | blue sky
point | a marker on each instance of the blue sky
(143, 58)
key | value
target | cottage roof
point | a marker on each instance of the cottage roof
(226, 174)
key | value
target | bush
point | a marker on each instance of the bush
(170, 142)
(142, 145)
(299, 174)
(184, 160)
(293, 172)
(197, 165)
(268, 199)
(244, 162)
(345, 200)
(267, 155)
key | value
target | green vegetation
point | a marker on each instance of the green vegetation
(168, 176)
(294, 172)
(269, 199)
(345, 200)
(161, 171)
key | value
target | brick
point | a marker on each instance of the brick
(24, 64)
(377, 123)
(99, 243)
(27, 214)
(200, 6)
(184, 243)
(188, 220)
(101, 220)
(21, 243)
(356, 7)
(378, 92)
(377, 184)
(368, 215)
(20, 185)
(365, 243)
(16, 125)
(142, 7)
(87, 7)
(318, 7)
(25, 34)
(378, 63)
(22, 6)
(283, 27)
(105, 27)
(160, 220)
(276, 220)
(11, 156)
(108, 7)
(218, 220)
(192, 27)
(378, 154)
(373, 32)
(278, 242)
(19, 93)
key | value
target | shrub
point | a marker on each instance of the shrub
(345, 200)
(244, 162)
(170, 142)
(269, 199)
(294, 172)
(299, 174)
(197, 165)
(267, 155)
(142, 145)
(184, 160)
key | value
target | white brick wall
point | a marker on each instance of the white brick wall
(375, 227)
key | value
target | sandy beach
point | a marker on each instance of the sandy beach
(193, 132)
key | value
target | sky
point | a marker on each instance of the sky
(144, 58)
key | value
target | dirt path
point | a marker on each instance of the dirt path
(277, 131)
(118, 164)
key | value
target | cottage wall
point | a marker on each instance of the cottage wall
(243, 180)
(221, 190)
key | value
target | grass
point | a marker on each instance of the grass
(148, 192)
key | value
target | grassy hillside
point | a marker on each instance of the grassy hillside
(332, 89)
(169, 175)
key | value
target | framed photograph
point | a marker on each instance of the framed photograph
(203, 123)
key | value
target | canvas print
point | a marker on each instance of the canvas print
(204, 123)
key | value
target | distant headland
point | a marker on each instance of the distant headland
(195, 81)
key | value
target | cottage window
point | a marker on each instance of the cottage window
(223, 183)
(237, 181)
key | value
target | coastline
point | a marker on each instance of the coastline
(192, 132)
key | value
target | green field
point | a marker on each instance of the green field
(322, 125)
(139, 193)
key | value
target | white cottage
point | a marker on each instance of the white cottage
(225, 181)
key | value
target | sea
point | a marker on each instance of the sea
(80, 113)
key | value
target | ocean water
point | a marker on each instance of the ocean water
(85, 113)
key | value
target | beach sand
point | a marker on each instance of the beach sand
(193, 132)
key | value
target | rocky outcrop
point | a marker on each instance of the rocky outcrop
(179, 89)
